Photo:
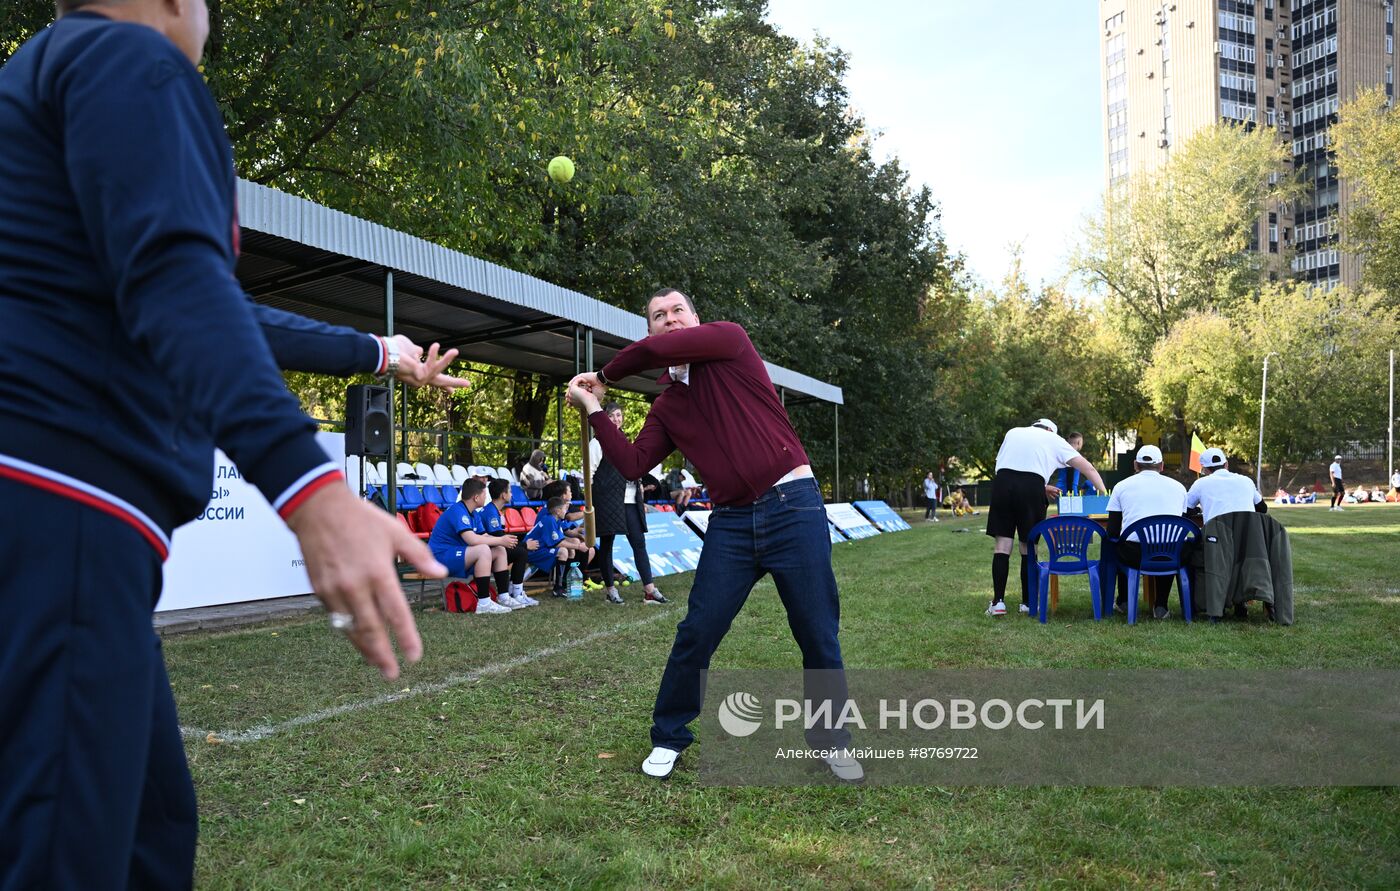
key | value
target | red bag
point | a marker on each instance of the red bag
(458, 597)
(425, 517)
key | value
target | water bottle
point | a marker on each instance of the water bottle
(573, 582)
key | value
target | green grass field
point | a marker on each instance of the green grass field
(511, 759)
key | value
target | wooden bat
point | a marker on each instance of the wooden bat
(590, 523)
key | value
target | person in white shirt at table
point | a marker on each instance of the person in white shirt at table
(1147, 493)
(1219, 491)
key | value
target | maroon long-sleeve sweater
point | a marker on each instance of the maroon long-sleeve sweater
(728, 420)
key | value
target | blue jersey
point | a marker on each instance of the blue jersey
(447, 531)
(548, 532)
(490, 520)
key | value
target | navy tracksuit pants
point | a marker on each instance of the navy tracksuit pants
(94, 788)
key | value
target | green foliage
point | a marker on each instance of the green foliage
(1174, 240)
(1366, 142)
(1327, 377)
(1026, 354)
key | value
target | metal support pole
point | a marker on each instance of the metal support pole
(1263, 397)
(836, 488)
(392, 481)
(1390, 428)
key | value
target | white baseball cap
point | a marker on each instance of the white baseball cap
(1047, 424)
(1212, 458)
(1149, 454)
(1336, 457)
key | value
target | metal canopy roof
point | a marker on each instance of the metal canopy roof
(307, 258)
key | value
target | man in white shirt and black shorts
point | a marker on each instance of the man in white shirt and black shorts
(1339, 491)
(1020, 494)
(1147, 493)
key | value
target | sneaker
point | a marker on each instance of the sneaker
(558, 592)
(509, 601)
(844, 767)
(486, 606)
(526, 599)
(655, 597)
(936, 520)
(1025, 610)
(614, 597)
(997, 609)
(1160, 613)
(660, 763)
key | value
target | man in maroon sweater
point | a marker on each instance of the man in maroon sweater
(720, 409)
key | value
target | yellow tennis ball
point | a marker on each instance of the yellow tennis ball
(561, 169)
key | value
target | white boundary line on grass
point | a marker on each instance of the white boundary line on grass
(263, 731)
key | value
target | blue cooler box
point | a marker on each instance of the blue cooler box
(1083, 505)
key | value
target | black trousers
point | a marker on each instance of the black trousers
(635, 537)
(1130, 554)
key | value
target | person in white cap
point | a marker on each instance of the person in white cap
(1219, 491)
(1339, 491)
(1147, 493)
(1020, 493)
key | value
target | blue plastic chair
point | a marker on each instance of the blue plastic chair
(1068, 540)
(410, 497)
(517, 496)
(1161, 539)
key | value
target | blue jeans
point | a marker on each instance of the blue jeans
(784, 533)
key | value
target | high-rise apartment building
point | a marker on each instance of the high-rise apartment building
(1171, 68)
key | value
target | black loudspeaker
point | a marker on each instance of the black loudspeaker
(367, 421)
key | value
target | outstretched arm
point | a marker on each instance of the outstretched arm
(1081, 464)
(703, 343)
(632, 459)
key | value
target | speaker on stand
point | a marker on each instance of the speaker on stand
(368, 426)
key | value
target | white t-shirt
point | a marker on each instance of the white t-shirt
(1222, 492)
(1335, 470)
(1034, 450)
(1147, 494)
(595, 455)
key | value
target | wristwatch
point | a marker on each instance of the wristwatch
(391, 357)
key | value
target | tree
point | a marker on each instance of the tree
(1175, 240)
(1026, 354)
(1326, 380)
(1365, 142)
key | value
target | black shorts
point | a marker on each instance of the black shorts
(1018, 503)
(1338, 487)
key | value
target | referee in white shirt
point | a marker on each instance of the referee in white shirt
(1020, 493)
(1147, 493)
(1219, 491)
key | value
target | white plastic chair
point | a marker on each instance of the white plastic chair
(459, 474)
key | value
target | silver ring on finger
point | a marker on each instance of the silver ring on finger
(342, 622)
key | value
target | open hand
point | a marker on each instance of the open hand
(349, 546)
(418, 370)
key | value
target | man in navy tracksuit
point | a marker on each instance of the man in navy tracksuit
(127, 353)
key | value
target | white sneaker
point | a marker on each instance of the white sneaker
(844, 767)
(936, 520)
(660, 763)
(525, 598)
(486, 607)
(1025, 609)
(997, 610)
(510, 601)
